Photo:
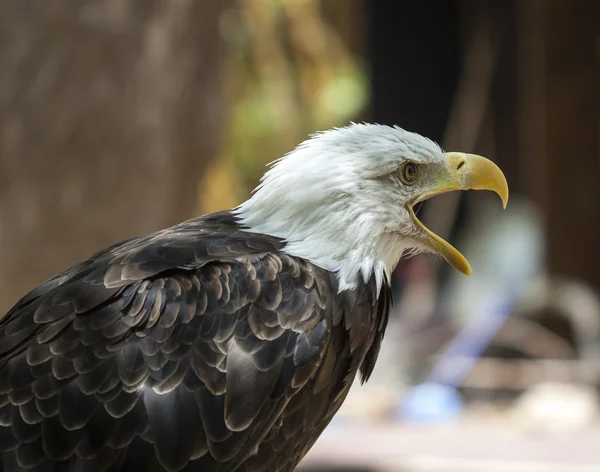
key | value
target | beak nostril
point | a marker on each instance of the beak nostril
(460, 165)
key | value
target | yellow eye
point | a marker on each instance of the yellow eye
(409, 173)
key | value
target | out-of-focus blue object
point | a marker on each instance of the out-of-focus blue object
(437, 398)
(431, 401)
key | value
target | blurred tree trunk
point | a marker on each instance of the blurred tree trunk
(109, 112)
(560, 93)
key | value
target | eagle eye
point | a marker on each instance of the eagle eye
(409, 173)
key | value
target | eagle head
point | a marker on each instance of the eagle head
(344, 199)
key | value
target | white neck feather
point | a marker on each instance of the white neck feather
(353, 248)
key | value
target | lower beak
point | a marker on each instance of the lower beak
(466, 172)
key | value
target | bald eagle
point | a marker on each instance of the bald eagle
(229, 341)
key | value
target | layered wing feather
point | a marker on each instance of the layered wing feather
(173, 352)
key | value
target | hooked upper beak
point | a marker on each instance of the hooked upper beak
(465, 172)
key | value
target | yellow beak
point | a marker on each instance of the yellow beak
(466, 172)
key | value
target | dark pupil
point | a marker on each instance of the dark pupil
(410, 172)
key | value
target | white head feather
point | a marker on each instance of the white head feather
(338, 202)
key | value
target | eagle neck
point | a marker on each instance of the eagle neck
(354, 247)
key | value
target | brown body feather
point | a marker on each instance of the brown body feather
(198, 348)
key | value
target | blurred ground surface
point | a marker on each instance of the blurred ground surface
(473, 444)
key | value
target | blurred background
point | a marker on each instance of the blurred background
(121, 117)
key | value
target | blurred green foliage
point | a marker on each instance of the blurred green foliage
(294, 67)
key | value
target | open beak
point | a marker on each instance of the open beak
(466, 172)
